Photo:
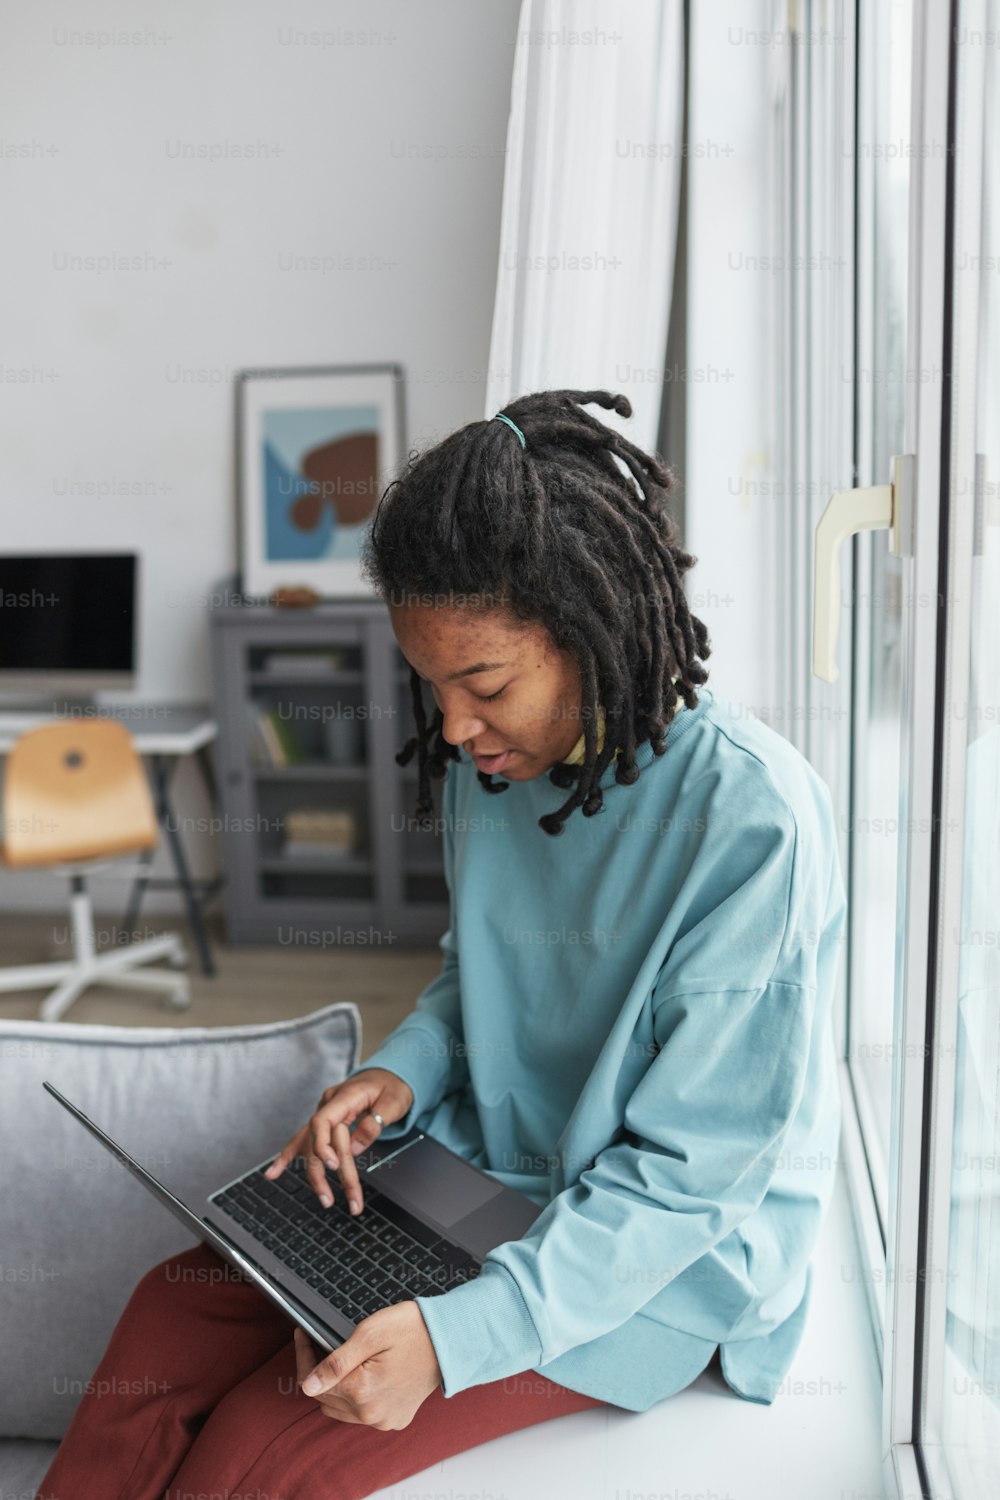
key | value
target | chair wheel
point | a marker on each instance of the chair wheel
(180, 998)
(178, 959)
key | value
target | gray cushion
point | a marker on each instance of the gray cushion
(23, 1466)
(196, 1105)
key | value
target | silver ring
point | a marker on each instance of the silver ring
(376, 1116)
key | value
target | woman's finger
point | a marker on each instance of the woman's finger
(348, 1171)
(339, 1409)
(321, 1137)
(317, 1178)
(286, 1155)
(345, 1108)
(300, 1146)
(367, 1130)
(306, 1356)
(307, 1359)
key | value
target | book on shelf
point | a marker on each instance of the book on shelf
(273, 739)
(258, 742)
(320, 831)
(316, 663)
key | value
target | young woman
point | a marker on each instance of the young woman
(632, 1022)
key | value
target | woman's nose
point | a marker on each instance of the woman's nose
(459, 725)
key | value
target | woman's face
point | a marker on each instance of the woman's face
(508, 696)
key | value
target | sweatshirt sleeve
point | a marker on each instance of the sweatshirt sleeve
(701, 1137)
(427, 1049)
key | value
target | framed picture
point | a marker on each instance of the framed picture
(315, 450)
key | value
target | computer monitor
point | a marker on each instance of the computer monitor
(67, 622)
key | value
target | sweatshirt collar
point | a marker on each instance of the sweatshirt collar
(682, 720)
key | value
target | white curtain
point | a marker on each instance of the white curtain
(590, 203)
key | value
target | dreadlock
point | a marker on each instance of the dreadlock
(572, 531)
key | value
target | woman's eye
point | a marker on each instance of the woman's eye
(493, 696)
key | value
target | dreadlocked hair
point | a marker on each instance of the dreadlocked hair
(570, 530)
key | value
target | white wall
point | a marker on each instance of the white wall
(727, 527)
(331, 124)
(377, 130)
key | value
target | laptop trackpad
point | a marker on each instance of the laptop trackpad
(433, 1183)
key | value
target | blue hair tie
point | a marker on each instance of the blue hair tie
(501, 418)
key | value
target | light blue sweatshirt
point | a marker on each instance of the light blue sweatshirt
(632, 1026)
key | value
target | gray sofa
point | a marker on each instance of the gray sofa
(194, 1105)
(77, 1232)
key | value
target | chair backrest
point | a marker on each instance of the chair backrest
(75, 790)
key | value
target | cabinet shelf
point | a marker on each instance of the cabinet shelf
(314, 864)
(315, 772)
(342, 677)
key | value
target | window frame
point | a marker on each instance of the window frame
(960, 344)
(909, 1328)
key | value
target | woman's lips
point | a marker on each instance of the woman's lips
(490, 764)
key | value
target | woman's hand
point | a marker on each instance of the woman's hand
(326, 1141)
(380, 1376)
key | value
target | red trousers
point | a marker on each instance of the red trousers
(196, 1397)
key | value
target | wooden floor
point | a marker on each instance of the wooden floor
(253, 984)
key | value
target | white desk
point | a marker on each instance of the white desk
(156, 728)
(163, 733)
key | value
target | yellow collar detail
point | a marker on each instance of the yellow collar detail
(575, 756)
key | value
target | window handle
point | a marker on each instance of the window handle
(880, 507)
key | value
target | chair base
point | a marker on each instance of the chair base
(119, 968)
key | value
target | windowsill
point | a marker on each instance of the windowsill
(822, 1435)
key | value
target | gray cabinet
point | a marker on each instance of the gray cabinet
(313, 705)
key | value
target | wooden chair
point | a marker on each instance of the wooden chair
(75, 796)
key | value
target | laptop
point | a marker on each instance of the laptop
(430, 1219)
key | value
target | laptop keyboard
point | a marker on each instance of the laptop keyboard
(364, 1262)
